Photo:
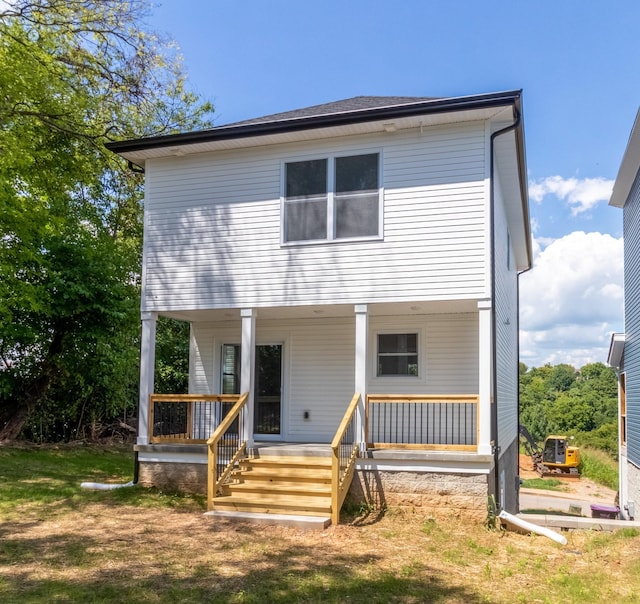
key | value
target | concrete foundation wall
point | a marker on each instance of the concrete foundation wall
(431, 494)
(508, 465)
(633, 492)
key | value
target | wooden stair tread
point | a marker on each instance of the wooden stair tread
(279, 485)
(284, 473)
(267, 504)
(286, 463)
(253, 477)
(295, 490)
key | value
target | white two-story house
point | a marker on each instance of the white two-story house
(350, 275)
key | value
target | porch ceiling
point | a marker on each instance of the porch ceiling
(327, 310)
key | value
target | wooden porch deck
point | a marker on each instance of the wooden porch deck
(272, 477)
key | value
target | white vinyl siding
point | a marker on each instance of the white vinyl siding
(632, 322)
(506, 308)
(213, 227)
(448, 354)
(319, 364)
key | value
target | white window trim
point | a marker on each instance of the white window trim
(420, 353)
(331, 157)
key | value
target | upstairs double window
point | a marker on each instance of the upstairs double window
(332, 198)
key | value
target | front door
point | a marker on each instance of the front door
(268, 390)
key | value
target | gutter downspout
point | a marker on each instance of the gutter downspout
(494, 367)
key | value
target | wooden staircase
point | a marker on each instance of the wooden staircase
(288, 485)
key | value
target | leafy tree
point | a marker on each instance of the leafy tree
(172, 356)
(75, 74)
(559, 399)
(604, 437)
(562, 377)
(572, 411)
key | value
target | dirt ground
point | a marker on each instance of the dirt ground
(582, 489)
(104, 553)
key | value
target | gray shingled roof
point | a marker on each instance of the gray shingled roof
(356, 103)
(359, 109)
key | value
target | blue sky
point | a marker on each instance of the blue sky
(577, 62)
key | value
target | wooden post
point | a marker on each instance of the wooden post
(211, 475)
(335, 485)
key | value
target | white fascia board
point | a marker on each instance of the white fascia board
(616, 348)
(628, 168)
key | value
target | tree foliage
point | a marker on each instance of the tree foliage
(562, 400)
(75, 74)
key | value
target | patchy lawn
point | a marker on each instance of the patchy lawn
(61, 544)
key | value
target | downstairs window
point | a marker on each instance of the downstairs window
(397, 354)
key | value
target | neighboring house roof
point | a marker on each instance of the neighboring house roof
(628, 168)
(616, 349)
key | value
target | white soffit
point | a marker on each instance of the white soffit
(616, 349)
(309, 134)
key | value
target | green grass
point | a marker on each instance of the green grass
(60, 543)
(547, 484)
(599, 467)
(35, 476)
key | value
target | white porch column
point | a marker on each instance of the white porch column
(247, 370)
(485, 387)
(361, 376)
(147, 373)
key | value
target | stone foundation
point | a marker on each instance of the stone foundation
(432, 484)
(184, 477)
(430, 494)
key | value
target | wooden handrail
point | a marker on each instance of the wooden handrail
(196, 427)
(429, 398)
(224, 425)
(344, 424)
(215, 481)
(190, 398)
(341, 477)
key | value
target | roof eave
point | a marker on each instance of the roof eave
(445, 105)
(616, 349)
(524, 187)
(628, 168)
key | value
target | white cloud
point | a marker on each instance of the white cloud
(581, 194)
(571, 300)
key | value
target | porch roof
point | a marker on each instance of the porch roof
(320, 311)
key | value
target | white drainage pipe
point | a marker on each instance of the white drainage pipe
(532, 528)
(104, 486)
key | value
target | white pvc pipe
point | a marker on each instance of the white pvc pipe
(533, 528)
(103, 486)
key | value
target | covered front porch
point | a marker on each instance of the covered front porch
(432, 415)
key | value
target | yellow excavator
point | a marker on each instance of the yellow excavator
(556, 458)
